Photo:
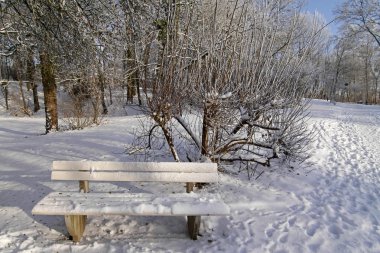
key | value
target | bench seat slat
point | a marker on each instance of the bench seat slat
(135, 176)
(135, 166)
(134, 204)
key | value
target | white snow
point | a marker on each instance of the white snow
(329, 204)
(227, 95)
(136, 204)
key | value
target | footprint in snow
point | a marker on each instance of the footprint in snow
(335, 231)
(349, 222)
(312, 228)
(283, 238)
(292, 220)
(373, 220)
(269, 232)
(370, 198)
(314, 247)
(354, 156)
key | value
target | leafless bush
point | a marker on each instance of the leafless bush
(17, 107)
(84, 106)
(75, 115)
(231, 76)
(15, 99)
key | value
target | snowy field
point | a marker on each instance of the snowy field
(329, 204)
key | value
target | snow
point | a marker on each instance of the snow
(330, 203)
(147, 204)
(227, 95)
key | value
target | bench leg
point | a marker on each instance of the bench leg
(189, 187)
(75, 225)
(84, 186)
(193, 224)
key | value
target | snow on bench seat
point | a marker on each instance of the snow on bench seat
(133, 204)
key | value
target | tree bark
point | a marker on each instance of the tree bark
(376, 83)
(110, 94)
(130, 63)
(50, 92)
(24, 108)
(36, 102)
(205, 130)
(170, 141)
(366, 64)
(131, 79)
(4, 87)
(19, 75)
(102, 92)
(30, 72)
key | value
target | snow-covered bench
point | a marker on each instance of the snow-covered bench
(75, 206)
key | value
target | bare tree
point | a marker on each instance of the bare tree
(340, 51)
(362, 16)
(236, 68)
(375, 71)
(351, 72)
(67, 35)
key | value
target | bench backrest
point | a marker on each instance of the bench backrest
(134, 171)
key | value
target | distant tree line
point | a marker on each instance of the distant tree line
(349, 69)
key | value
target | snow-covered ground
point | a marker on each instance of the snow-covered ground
(329, 204)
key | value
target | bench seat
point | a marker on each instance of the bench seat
(132, 204)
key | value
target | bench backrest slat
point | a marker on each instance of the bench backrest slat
(134, 171)
(135, 176)
(135, 166)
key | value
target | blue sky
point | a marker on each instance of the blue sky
(326, 8)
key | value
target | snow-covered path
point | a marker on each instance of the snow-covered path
(333, 208)
(345, 200)
(330, 204)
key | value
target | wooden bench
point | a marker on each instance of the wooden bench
(75, 206)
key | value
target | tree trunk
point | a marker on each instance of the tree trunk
(102, 93)
(205, 130)
(130, 62)
(24, 106)
(131, 88)
(30, 72)
(366, 76)
(35, 98)
(4, 87)
(19, 75)
(170, 141)
(146, 63)
(137, 82)
(110, 93)
(376, 90)
(135, 75)
(50, 92)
